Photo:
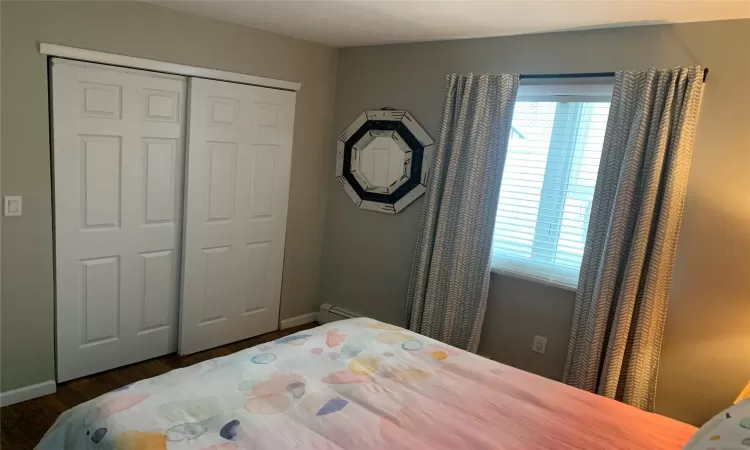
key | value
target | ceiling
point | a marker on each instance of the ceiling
(348, 23)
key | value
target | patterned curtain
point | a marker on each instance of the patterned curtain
(621, 303)
(450, 273)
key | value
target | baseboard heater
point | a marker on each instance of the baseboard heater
(332, 313)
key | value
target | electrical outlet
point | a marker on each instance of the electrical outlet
(540, 343)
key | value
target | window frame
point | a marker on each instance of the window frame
(568, 96)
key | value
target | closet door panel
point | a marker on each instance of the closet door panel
(118, 147)
(239, 158)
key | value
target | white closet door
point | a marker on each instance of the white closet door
(118, 171)
(239, 157)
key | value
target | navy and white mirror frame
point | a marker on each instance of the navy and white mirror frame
(403, 128)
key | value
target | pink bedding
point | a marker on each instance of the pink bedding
(357, 384)
(518, 410)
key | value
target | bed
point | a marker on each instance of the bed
(356, 384)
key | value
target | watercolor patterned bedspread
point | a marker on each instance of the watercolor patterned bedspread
(356, 384)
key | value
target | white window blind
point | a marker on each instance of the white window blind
(548, 182)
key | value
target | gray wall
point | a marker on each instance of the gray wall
(706, 353)
(146, 31)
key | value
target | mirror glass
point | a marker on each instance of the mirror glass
(381, 165)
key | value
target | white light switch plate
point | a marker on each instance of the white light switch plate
(540, 343)
(13, 205)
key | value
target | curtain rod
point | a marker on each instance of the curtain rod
(580, 75)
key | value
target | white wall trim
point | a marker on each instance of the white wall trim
(161, 66)
(298, 320)
(27, 393)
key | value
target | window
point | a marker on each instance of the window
(548, 182)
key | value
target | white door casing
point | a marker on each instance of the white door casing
(238, 164)
(118, 172)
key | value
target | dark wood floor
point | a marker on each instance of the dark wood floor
(22, 425)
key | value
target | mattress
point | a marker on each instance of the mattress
(357, 384)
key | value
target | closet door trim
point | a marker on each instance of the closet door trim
(114, 59)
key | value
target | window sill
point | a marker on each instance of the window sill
(520, 276)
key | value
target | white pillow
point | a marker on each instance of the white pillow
(728, 430)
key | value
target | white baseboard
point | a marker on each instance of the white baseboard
(298, 320)
(27, 393)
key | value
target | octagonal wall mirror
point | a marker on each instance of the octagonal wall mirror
(383, 160)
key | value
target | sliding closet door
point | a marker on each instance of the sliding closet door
(118, 171)
(239, 156)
